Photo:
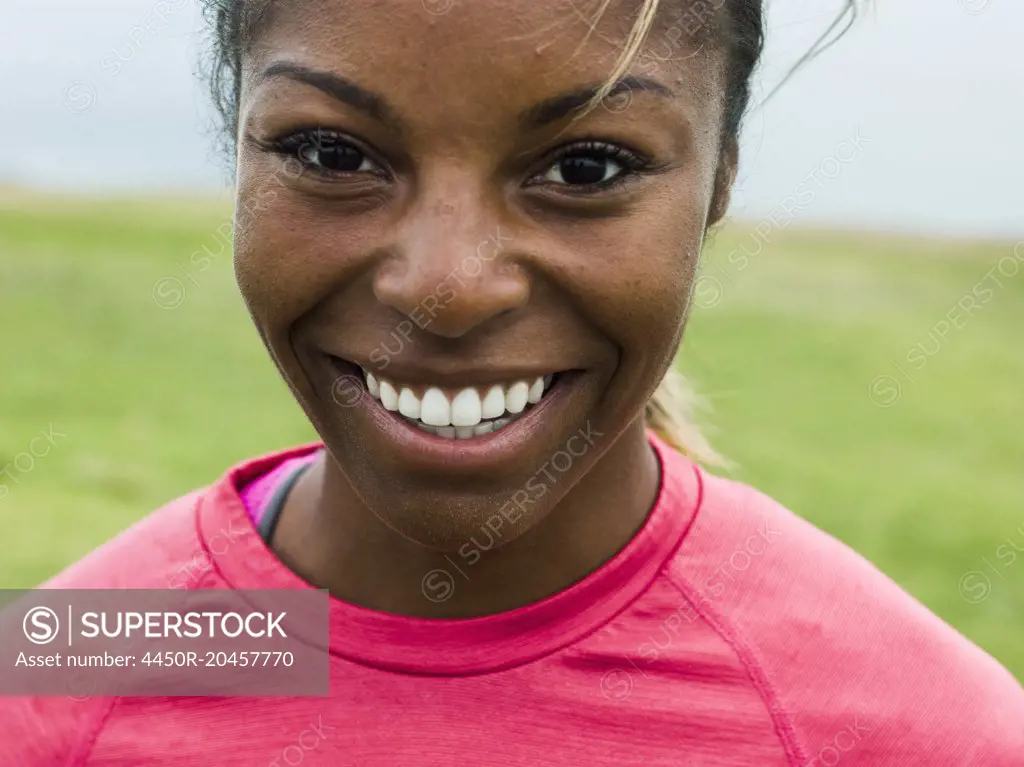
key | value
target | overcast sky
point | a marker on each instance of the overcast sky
(915, 121)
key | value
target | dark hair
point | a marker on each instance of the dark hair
(233, 26)
(746, 42)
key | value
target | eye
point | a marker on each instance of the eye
(326, 152)
(591, 165)
(583, 170)
(335, 156)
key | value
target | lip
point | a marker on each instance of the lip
(424, 450)
(441, 375)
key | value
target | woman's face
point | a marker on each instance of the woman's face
(416, 202)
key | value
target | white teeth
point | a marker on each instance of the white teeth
(466, 410)
(435, 410)
(536, 391)
(388, 396)
(515, 399)
(494, 403)
(408, 404)
(465, 432)
(467, 415)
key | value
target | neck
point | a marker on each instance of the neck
(331, 539)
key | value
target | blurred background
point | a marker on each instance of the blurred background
(857, 323)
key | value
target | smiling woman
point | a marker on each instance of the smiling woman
(414, 185)
(471, 239)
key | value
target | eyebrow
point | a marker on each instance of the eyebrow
(376, 106)
(338, 87)
(560, 107)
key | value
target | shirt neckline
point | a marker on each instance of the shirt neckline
(456, 647)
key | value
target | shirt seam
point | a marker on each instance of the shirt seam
(80, 754)
(781, 720)
(668, 486)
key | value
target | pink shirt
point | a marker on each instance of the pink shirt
(728, 632)
(257, 495)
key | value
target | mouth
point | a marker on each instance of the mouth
(470, 419)
(459, 412)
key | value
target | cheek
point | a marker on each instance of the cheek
(671, 245)
(259, 238)
(289, 253)
(639, 274)
(668, 262)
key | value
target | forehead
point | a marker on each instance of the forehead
(446, 56)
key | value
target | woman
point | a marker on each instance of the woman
(467, 233)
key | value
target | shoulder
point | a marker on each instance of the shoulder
(46, 731)
(174, 547)
(848, 659)
(149, 554)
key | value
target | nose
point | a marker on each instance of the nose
(451, 269)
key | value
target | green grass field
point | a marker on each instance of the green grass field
(799, 349)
